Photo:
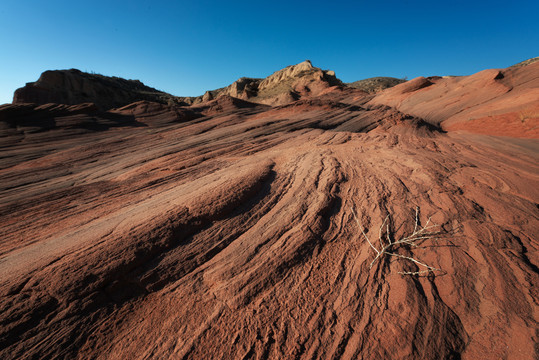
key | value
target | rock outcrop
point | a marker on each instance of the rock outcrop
(73, 87)
(282, 87)
(527, 62)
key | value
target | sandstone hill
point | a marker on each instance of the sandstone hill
(284, 86)
(73, 87)
(527, 62)
(494, 101)
(253, 228)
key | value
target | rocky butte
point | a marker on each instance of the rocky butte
(291, 217)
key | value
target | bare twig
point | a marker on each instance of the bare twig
(420, 234)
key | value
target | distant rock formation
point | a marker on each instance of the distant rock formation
(376, 84)
(527, 62)
(73, 87)
(286, 85)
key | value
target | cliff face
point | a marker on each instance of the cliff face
(73, 87)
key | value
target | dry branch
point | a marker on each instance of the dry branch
(389, 246)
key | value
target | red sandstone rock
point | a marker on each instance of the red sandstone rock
(496, 102)
(226, 230)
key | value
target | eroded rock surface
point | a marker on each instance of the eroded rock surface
(227, 230)
(495, 102)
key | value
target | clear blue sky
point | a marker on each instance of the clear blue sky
(187, 47)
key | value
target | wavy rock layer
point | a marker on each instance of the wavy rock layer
(227, 231)
(494, 102)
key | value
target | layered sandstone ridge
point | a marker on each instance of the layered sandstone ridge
(495, 101)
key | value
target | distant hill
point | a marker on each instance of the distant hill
(73, 87)
(376, 84)
(526, 62)
(282, 87)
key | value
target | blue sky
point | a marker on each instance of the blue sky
(187, 47)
